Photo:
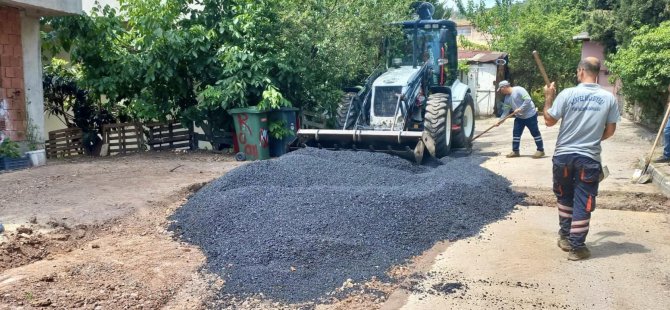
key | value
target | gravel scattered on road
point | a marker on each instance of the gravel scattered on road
(298, 227)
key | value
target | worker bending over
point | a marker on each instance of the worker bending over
(525, 116)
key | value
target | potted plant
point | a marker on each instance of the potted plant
(10, 157)
(36, 153)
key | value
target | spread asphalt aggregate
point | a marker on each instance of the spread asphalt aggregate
(297, 227)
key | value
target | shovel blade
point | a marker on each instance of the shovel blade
(640, 177)
(644, 179)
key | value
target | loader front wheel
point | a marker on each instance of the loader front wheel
(347, 111)
(437, 124)
(465, 118)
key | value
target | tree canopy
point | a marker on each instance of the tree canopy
(643, 69)
(194, 59)
(520, 28)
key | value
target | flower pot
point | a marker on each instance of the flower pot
(7, 163)
(37, 157)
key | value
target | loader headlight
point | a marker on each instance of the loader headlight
(396, 62)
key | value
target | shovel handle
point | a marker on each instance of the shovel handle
(489, 129)
(536, 55)
(658, 136)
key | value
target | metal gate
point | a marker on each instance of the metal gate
(481, 80)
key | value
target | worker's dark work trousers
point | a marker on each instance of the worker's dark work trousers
(576, 180)
(520, 125)
(666, 138)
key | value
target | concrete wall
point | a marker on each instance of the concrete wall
(87, 5)
(32, 68)
(46, 7)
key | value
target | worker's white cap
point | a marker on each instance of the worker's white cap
(503, 84)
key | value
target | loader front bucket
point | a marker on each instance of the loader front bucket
(407, 144)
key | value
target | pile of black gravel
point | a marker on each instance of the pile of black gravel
(297, 227)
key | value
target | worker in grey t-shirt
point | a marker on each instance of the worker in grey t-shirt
(519, 101)
(588, 116)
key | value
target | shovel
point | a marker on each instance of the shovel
(540, 66)
(493, 126)
(642, 176)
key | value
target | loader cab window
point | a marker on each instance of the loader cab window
(406, 48)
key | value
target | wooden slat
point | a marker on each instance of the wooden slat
(175, 146)
(64, 147)
(64, 131)
(123, 151)
(66, 139)
(127, 137)
(59, 140)
(170, 138)
(64, 142)
(120, 144)
(168, 133)
(123, 138)
(116, 125)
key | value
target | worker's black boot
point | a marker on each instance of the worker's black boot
(564, 244)
(579, 254)
(513, 154)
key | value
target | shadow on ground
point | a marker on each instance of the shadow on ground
(601, 247)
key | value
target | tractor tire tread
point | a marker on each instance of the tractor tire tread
(463, 139)
(435, 122)
(343, 108)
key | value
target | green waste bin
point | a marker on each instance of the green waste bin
(289, 117)
(251, 129)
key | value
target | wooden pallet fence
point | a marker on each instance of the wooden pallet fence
(123, 138)
(65, 143)
(313, 120)
(168, 136)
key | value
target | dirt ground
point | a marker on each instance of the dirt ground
(91, 234)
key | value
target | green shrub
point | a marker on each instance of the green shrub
(9, 148)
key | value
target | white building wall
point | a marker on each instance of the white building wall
(32, 69)
(481, 80)
(46, 7)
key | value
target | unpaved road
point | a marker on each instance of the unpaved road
(99, 240)
(515, 263)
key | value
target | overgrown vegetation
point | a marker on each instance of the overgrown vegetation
(194, 59)
(643, 69)
(520, 28)
(9, 148)
(66, 99)
(633, 32)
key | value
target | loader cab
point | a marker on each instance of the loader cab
(422, 55)
(432, 41)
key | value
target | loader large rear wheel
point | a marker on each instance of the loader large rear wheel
(465, 118)
(437, 123)
(348, 107)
